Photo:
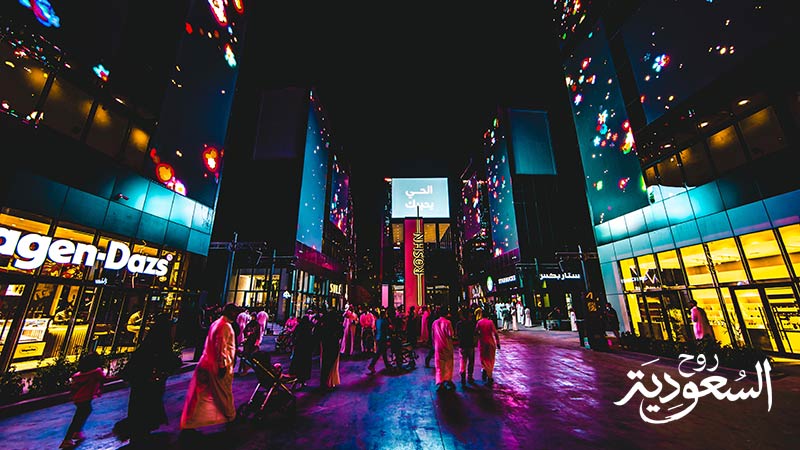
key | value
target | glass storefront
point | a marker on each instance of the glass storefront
(744, 284)
(64, 300)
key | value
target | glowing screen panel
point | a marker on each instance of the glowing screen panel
(614, 181)
(470, 208)
(311, 212)
(503, 219)
(427, 197)
(340, 189)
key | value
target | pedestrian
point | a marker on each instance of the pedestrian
(488, 344)
(382, 336)
(513, 310)
(303, 352)
(702, 327)
(465, 330)
(424, 327)
(612, 320)
(413, 322)
(507, 317)
(209, 400)
(241, 321)
(573, 320)
(263, 320)
(432, 318)
(528, 321)
(367, 321)
(146, 373)
(442, 333)
(330, 333)
(349, 322)
(85, 385)
(252, 335)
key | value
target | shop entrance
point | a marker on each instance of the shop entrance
(771, 317)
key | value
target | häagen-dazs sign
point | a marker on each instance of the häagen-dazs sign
(33, 249)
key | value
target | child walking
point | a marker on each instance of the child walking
(85, 385)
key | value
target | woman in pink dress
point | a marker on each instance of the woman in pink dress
(488, 344)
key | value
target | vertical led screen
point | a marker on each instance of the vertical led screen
(505, 237)
(311, 212)
(470, 208)
(614, 182)
(570, 14)
(340, 192)
(414, 262)
(678, 47)
(187, 148)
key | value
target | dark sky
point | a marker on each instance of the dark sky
(410, 92)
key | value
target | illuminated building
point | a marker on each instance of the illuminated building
(303, 254)
(113, 125)
(687, 124)
(513, 219)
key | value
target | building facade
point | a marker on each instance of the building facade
(688, 129)
(103, 223)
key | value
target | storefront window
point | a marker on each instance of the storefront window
(630, 274)
(727, 261)
(636, 316)
(709, 301)
(694, 260)
(726, 150)
(764, 256)
(733, 319)
(107, 320)
(671, 272)
(10, 298)
(69, 271)
(143, 279)
(656, 314)
(648, 272)
(111, 276)
(25, 223)
(675, 302)
(791, 240)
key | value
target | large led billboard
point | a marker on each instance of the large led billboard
(505, 237)
(420, 197)
(471, 211)
(311, 212)
(614, 182)
(340, 193)
(187, 149)
(678, 47)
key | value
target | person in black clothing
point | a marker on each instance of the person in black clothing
(382, 337)
(302, 354)
(437, 311)
(250, 345)
(465, 330)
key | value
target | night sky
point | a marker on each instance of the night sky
(409, 93)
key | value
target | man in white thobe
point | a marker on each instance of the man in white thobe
(209, 400)
(442, 334)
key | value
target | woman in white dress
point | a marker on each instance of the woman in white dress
(528, 322)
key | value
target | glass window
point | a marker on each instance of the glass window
(636, 316)
(726, 150)
(727, 261)
(649, 273)
(650, 178)
(66, 108)
(112, 276)
(136, 147)
(671, 272)
(763, 255)
(694, 260)
(10, 298)
(733, 319)
(791, 240)
(107, 131)
(696, 166)
(675, 302)
(21, 81)
(630, 275)
(670, 172)
(709, 301)
(68, 270)
(762, 133)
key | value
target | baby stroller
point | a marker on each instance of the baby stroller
(284, 343)
(274, 391)
(403, 355)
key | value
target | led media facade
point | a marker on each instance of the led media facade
(187, 149)
(426, 197)
(505, 236)
(470, 209)
(678, 47)
(311, 212)
(340, 192)
(614, 182)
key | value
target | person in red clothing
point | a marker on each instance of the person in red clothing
(85, 385)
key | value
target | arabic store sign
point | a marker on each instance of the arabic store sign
(559, 276)
(31, 251)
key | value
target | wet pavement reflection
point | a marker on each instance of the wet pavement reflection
(549, 392)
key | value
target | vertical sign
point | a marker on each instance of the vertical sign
(414, 262)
